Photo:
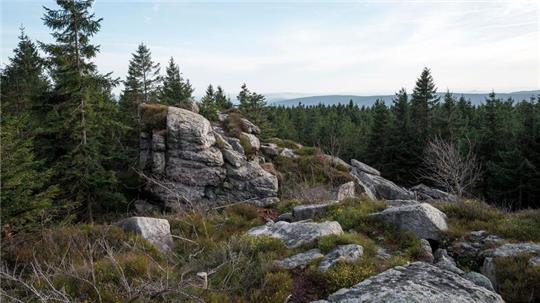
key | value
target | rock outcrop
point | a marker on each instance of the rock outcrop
(377, 187)
(156, 231)
(345, 191)
(417, 282)
(188, 161)
(424, 220)
(298, 233)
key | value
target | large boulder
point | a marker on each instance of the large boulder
(417, 282)
(192, 162)
(298, 233)
(156, 231)
(426, 193)
(511, 250)
(377, 187)
(424, 220)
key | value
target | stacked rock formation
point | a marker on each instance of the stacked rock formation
(186, 161)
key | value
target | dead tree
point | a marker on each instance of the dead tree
(446, 167)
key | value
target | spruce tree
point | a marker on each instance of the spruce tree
(175, 89)
(208, 106)
(377, 140)
(424, 98)
(253, 106)
(222, 101)
(142, 82)
(80, 124)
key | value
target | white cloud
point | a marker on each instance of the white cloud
(469, 46)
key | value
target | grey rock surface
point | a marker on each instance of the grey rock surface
(417, 282)
(311, 211)
(399, 203)
(345, 191)
(342, 253)
(297, 233)
(444, 261)
(193, 163)
(377, 187)
(427, 251)
(156, 231)
(511, 250)
(288, 153)
(287, 217)
(426, 193)
(300, 260)
(364, 167)
(424, 220)
(479, 279)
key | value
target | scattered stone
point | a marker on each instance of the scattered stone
(424, 220)
(298, 233)
(310, 211)
(288, 153)
(383, 254)
(479, 279)
(427, 251)
(364, 167)
(377, 187)
(417, 282)
(300, 260)
(345, 191)
(426, 193)
(270, 149)
(342, 253)
(535, 261)
(156, 231)
(442, 260)
(472, 244)
(287, 217)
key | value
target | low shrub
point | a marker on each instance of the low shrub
(327, 243)
(154, 116)
(517, 280)
(354, 214)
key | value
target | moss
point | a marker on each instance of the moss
(276, 288)
(308, 151)
(284, 143)
(249, 151)
(517, 281)
(154, 116)
(354, 214)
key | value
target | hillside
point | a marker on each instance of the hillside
(476, 99)
(242, 220)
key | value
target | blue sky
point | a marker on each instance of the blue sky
(315, 47)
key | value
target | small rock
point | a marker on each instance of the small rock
(383, 254)
(310, 211)
(426, 193)
(297, 233)
(249, 127)
(143, 207)
(300, 260)
(428, 252)
(270, 149)
(288, 153)
(535, 261)
(479, 279)
(287, 217)
(345, 253)
(252, 140)
(377, 187)
(156, 231)
(442, 260)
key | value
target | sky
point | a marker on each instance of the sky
(307, 47)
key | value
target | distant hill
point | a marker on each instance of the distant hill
(476, 98)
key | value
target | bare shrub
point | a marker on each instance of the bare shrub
(448, 168)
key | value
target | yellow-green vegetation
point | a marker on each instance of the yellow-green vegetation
(517, 280)
(154, 116)
(284, 143)
(308, 171)
(470, 215)
(233, 124)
